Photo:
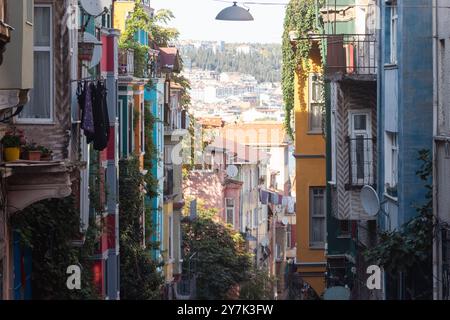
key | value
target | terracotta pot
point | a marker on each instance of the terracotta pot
(46, 157)
(34, 155)
(12, 154)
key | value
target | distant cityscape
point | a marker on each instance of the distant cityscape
(231, 96)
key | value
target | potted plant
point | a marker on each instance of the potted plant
(32, 152)
(46, 154)
(11, 147)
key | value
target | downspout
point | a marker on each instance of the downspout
(436, 240)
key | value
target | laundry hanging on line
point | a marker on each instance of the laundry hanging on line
(94, 116)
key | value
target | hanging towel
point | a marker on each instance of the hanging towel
(291, 205)
(87, 118)
(284, 201)
(264, 196)
(101, 118)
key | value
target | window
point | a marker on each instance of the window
(40, 107)
(170, 251)
(317, 217)
(288, 236)
(229, 207)
(391, 162)
(393, 34)
(142, 127)
(315, 103)
(30, 12)
(360, 148)
(122, 125)
(255, 218)
(130, 128)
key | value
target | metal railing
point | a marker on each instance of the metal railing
(351, 54)
(361, 155)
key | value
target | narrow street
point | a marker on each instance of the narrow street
(220, 150)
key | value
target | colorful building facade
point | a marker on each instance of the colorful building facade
(310, 174)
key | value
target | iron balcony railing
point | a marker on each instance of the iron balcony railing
(361, 155)
(351, 54)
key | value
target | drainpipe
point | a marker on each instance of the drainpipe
(436, 240)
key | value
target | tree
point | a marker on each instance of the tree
(139, 277)
(259, 286)
(222, 262)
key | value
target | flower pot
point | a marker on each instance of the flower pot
(12, 154)
(33, 155)
(46, 157)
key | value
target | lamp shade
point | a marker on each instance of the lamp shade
(234, 13)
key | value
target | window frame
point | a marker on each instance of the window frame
(319, 103)
(317, 244)
(367, 133)
(227, 207)
(50, 50)
(142, 128)
(393, 29)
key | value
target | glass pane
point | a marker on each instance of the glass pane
(360, 122)
(40, 99)
(230, 216)
(360, 158)
(318, 234)
(315, 117)
(42, 26)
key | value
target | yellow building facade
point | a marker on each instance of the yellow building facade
(310, 173)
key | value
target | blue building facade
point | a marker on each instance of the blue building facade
(405, 117)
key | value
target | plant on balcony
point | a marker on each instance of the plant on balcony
(32, 152)
(46, 154)
(299, 21)
(140, 20)
(11, 142)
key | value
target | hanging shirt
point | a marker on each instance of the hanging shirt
(101, 117)
(87, 118)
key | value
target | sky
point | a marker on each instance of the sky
(195, 19)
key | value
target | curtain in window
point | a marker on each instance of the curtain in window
(40, 97)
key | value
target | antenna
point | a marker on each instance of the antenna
(370, 201)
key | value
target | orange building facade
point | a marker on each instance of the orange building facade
(310, 172)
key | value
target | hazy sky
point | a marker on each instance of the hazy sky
(195, 19)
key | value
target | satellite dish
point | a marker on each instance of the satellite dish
(285, 221)
(232, 171)
(370, 201)
(97, 54)
(95, 7)
(265, 242)
(337, 293)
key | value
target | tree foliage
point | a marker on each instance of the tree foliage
(409, 249)
(222, 262)
(48, 228)
(299, 20)
(139, 277)
(258, 286)
(263, 62)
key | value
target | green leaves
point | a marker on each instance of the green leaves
(221, 259)
(300, 18)
(48, 228)
(139, 277)
(410, 247)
